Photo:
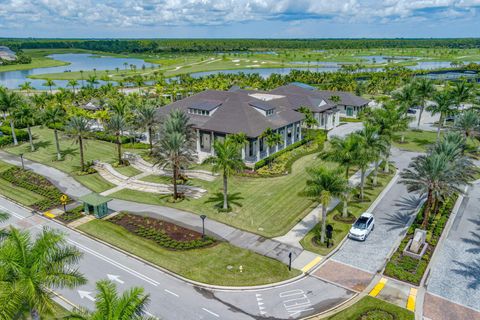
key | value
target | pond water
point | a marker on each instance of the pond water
(78, 62)
(12, 79)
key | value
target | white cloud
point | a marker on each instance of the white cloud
(138, 13)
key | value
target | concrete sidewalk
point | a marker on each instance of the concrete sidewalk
(261, 245)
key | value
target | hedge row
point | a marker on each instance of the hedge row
(165, 241)
(35, 183)
(22, 135)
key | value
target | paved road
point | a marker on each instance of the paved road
(172, 298)
(392, 215)
(455, 273)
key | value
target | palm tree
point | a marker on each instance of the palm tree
(363, 155)
(342, 151)
(424, 90)
(227, 160)
(49, 83)
(325, 184)
(443, 106)
(30, 268)
(54, 115)
(9, 101)
(346, 197)
(272, 139)
(406, 97)
(78, 127)
(435, 175)
(145, 118)
(309, 120)
(26, 86)
(173, 150)
(376, 144)
(92, 81)
(461, 92)
(72, 83)
(109, 305)
(468, 122)
(25, 115)
(116, 125)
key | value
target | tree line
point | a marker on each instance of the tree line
(229, 45)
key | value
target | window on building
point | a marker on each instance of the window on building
(199, 112)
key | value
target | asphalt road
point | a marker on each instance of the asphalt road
(172, 298)
(392, 216)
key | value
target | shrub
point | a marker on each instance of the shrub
(22, 135)
(5, 140)
(104, 136)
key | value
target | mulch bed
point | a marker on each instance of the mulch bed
(131, 222)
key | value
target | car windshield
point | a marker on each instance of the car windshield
(361, 223)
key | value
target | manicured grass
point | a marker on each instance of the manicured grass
(21, 195)
(355, 207)
(95, 182)
(267, 206)
(46, 153)
(128, 171)
(157, 179)
(369, 308)
(207, 265)
(415, 140)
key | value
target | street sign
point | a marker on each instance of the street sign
(64, 199)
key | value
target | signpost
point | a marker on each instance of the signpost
(329, 234)
(290, 261)
(64, 200)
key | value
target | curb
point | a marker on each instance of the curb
(166, 271)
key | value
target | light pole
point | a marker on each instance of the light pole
(21, 158)
(203, 217)
(290, 261)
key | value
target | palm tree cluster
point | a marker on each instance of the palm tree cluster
(31, 268)
(439, 174)
(174, 149)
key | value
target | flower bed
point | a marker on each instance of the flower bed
(35, 183)
(165, 234)
(411, 270)
(71, 215)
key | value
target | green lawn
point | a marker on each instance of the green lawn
(369, 308)
(340, 229)
(46, 153)
(415, 140)
(95, 182)
(21, 195)
(157, 179)
(208, 265)
(128, 171)
(267, 206)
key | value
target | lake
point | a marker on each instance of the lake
(78, 61)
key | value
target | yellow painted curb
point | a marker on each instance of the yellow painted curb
(411, 299)
(378, 287)
(48, 214)
(311, 264)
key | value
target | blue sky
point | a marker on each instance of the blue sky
(240, 18)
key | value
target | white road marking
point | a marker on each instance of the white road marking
(261, 308)
(86, 294)
(151, 315)
(172, 293)
(116, 278)
(212, 313)
(296, 302)
(16, 215)
(112, 262)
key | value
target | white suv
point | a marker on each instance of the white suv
(362, 227)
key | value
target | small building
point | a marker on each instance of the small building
(95, 204)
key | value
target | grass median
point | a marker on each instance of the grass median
(355, 207)
(208, 265)
(369, 308)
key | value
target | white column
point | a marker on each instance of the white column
(284, 137)
(258, 149)
(276, 146)
(300, 133)
(244, 152)
(212, 151)
(198, 141)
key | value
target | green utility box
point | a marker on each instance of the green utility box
(95, 204)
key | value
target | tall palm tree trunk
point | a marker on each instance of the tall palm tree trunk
(347, 172)
(345, 209)
(14, 136)
(420, 114)
(324, 223)
(225, 191)
(119, 150)
(57, 144)
(175, 176)
(82, 160)
(426, 212)
(362, 182)
(150, 140)
(440, 125)
(32, 147)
